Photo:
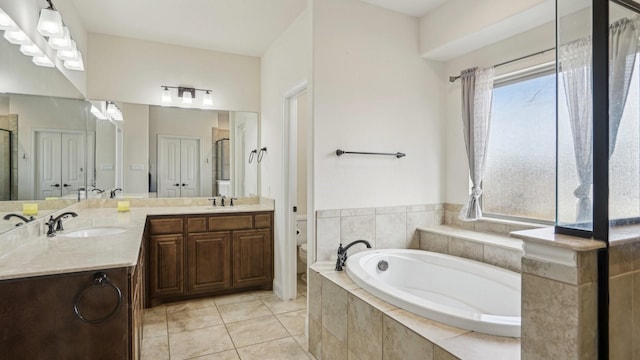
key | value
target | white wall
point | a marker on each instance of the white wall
(456, 166)
(190, 123)
(133, 70)
(302, 151)
(285, 64)
(105, 155)
(373, 92)
(136, 148)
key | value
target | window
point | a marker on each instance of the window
(520, 178)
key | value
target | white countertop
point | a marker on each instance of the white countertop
(41, 255)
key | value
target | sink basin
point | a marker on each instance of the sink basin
(95, 231)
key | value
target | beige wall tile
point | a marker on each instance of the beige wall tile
(328, 213)
(492, 227)
(341, 279)
(315, 338)
(391, 231)
(315, 293)
(334, 309)
(620, 319)
(391, 210)
(505, 258)
(588, 265)
(478, 346)
(332, 348)
(357, 212)
(621, 259)
(358, 227)
(588, 315)
(440, 354)
(549, 319)
(451, 218)
(636, 314)
(423, 207)
(364, 329)
(466, 249)
(398, 342)
(373, 300)
(562, 273)
(424, 327)
(414, 220)
(328, 238)
(434, 242)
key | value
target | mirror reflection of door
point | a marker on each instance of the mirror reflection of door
(5, 165)
(59, 163)
(178, 166)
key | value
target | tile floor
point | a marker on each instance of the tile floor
(246, 326)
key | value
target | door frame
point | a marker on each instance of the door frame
(289, 188)
(158, 152)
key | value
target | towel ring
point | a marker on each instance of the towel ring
(100, 279)
(261, 153)
(253, 153)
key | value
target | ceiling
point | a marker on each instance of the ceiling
(244, 27)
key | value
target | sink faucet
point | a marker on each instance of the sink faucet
(342, 253)
(112, 193)
(9, 216)
(55, 224)
(98, 191)
(222, 200)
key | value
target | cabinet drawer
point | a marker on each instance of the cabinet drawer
(195, 225)
(166, 226)
(235, 222)
(262, 221)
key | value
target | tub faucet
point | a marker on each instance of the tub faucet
(55, 224)
(9, 216)
(342, 253)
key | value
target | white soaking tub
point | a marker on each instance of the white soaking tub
(448, 289)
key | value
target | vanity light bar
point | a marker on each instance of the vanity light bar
(15, 35)
(186, 95)
(50, 25)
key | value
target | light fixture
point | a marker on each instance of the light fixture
(17, 37)
(166, 95)
(112, 108)
(71, 54)
(63, 42)
(207, 99)
(50, 22)
(186, 94)
(42, 60)
(30, 50)
(97, 113)
(6, 23)
(75, 64)
(118, 115)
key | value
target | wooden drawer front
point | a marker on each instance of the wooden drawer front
(195, 225)
(235, 222)
(262, 220)
(166, 226)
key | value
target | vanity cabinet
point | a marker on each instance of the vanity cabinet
(200, 255)
(39, 320)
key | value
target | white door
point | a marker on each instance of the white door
(59, 163)
(178, 167)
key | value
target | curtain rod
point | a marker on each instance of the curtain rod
(454, 78)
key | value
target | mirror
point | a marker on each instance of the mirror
(195, 152)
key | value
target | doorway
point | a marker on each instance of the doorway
(60, 162)
(178, 166)
(297, 165)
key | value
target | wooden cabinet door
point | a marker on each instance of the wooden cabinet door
(252, 257)
(208, 262)
(166, 265)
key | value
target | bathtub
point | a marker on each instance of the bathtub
(455, 291)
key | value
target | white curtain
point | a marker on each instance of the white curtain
(576, 69)
(477, 95)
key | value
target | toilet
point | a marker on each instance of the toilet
(302, 254)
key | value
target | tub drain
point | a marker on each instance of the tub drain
(383, 265)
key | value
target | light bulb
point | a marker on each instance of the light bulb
(42, 60)
(97, 113)
(111, 108)
(75, 64)
(166, 95)
(30, 50)
(50, 23)
(6, 23)
(187, 99)
(69, 54)
(61, 43)
(17, 37)
(207, 99)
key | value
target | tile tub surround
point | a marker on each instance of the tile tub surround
(346, 322)
(490, 248)
(27, 251)
(485, 225)
(384, 227)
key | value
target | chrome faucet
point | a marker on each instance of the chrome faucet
(112, 193)
(9, 216)
(342, 253)
(55, 224)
